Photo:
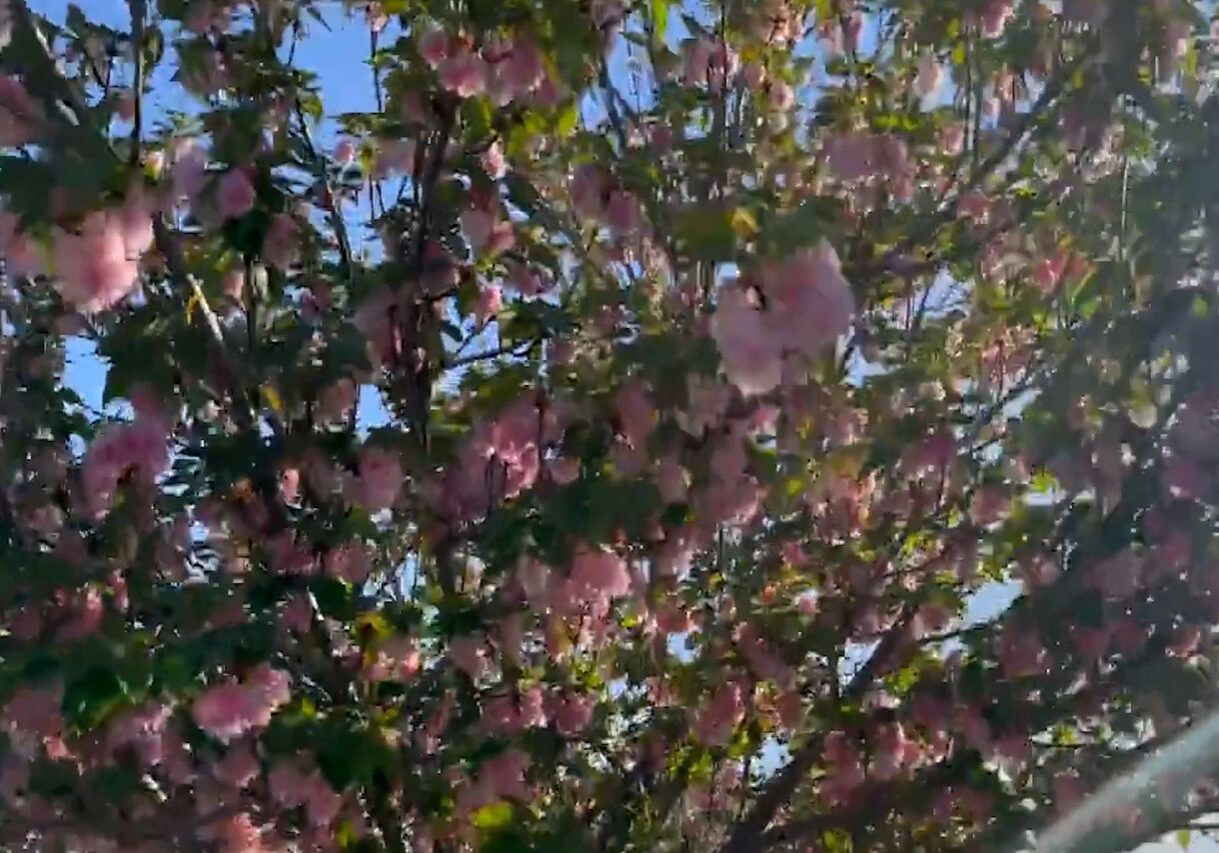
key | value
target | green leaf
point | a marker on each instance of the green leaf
(660, 17)
(493, 817)
(707, 233)
(1184, 837)
(94, 696)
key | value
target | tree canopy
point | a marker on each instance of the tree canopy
(726, 424)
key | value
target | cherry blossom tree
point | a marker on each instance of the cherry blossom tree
(731, 360)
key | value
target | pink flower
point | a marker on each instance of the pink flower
(716, 721)
(493, 161)
(671, 480)
(374, 317)
(235, 195)
(21, 255)
(345, 152)
(989, 505)
(573, 714)
(764, 663)
(751, 354)
(85, 617)
(636, 413)
(96, 267)
(477, 226)
(139, 448)
(223, 711)
(753, 75)
(893, 751)
(588, 188)
(995, 17)
(781, 95)
(1120, 576)
(434, 45)
(19, 115)
(464, 73)
(189, 170)
(606, 13)
(291, 788)
(239, 766)
(488, 302)
(349, 561)
(1037, 568)
(504, 775)
(808, 301)
(280, 246)
(380, 478)
(227, 711)
(599, 574)
(35, 710)
(1069, 791)
(1021, 652)
(623, 214)
(469, 654)
(930, 76)
(844, 767)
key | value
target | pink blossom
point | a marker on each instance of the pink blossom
(1120, 576)
(291, 787)
(349, 561)
(434, 45)
(1069, 791)
(493, 161)
(375, 317)
(469, 654)
(518, 72)
(750, 352)
(808, 301)
(229, 710)
(223, 711)
(573, 714)
(988, 505)
(606, 13)
(671, 480)
(504, 775)
(280, 245)
(844, 767)
(463, 73)
(239, 766)
(781, 95)
(588, 188)
(20, 253)
(35, 710)
(930, 76)
(753, 75)
(623, 214)
(85, 617)
(477, 225)
(379, 478)
(995, 17)
(1037, 568)
(969, 721)
(235, 195)
(1021, 652)
(716, 721)
(95, 266)
(636, 413)
(19, 115)
(345, 152)
(488, 302)
(893, 752)
(599, 574)
(760, 658)
(139, 448)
